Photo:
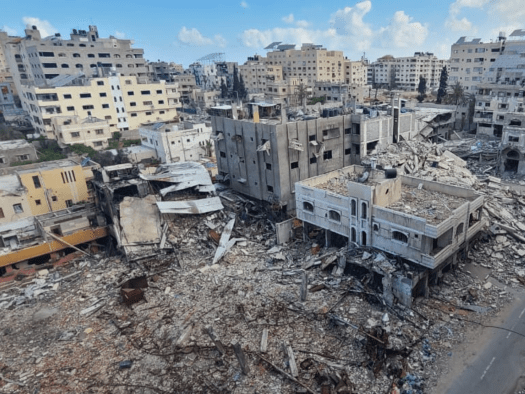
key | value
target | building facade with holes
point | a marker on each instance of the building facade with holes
(366, 208)
(264, 158)
(178, 142)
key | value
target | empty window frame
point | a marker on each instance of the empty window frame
(400, 237)
(334, 215)
(308, 206)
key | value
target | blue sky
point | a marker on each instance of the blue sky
(183, 31)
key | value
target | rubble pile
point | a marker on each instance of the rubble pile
(424, 160)
(264, 318)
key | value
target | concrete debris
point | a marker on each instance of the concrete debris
(221, 307)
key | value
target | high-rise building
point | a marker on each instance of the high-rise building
(310, 64)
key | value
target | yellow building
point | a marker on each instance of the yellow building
(92, 132)
(124, 101)
(44, 187)
(14, 204)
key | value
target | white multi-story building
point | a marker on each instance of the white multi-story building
(405, 72)
(37, 60)
(474, 62)
(178, 142)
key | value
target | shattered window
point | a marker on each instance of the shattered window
(18, 208)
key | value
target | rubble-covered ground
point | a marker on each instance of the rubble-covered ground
(68, 331)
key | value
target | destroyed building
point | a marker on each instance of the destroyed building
(16, 151)
(265, 155)
(138, 202)
(429, 224)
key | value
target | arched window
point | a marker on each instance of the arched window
(334, 215)
(76, 55)
(354, 208)
(363, 210)
(117, 55)
(353, 235)
(308, 206)
(129, 56)
(65, 65)
(513, 154)
(92, 65)
(363, 238)
(61, 55)
(376, 227)
(399, 236)
(79, 65)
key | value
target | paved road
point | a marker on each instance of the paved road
(497, 368)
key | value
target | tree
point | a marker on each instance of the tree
(458, 93)
(443, 80)
(224, 89)
(422, 89)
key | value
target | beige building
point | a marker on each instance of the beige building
(356, 72)
(187, 86)
(121, 100)
(469, 60)
(34, 59)
(92, 132)
(285, 91)
(310, 64)
(206, 98)
(257, 75)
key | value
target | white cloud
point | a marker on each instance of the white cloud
(120, 34)
(510, 11)
(46, 28)
(8, 30)
(193, 37)
(454, 23)
(349, 22)
(348, 31)
(402, 32)
(244, 4)
(302, 24)
(289, 19)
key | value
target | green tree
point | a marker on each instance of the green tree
(422, 89)
(443, 83)
(224, 89)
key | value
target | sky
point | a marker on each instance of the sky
(184, 31)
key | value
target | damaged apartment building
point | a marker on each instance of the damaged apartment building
(264, 155)
(46, 211)
(426, 225)
(139, 202)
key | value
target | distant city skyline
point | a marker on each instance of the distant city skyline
(183, 33)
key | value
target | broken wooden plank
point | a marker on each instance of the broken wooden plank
(216, 341)
(264, 341)
(291, 360)
(245, 368)
(186, 333)
(287, 375)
